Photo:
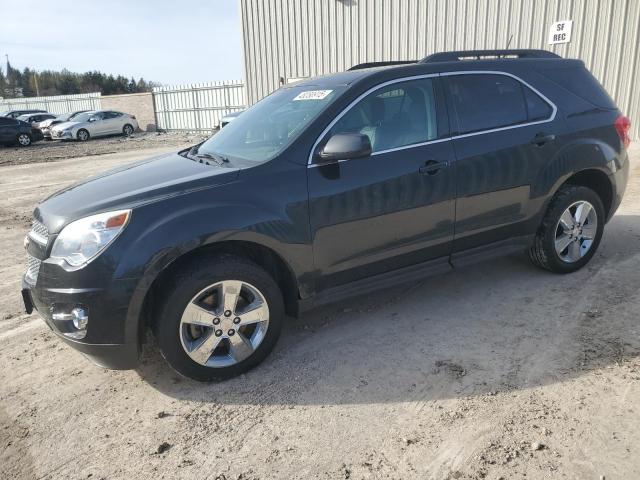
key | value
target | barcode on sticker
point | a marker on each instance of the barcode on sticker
(313, 95)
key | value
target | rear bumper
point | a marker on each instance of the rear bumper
(36, 134)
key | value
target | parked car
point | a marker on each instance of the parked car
(326, 189)
(95, 124)
(34, 118)
(229, 117)
(16, 132)
(45, 126)
(17, 113)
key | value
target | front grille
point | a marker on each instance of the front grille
(33, 268)
(39, 232)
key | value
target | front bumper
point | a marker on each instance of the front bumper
(105, 319)
(61, 135)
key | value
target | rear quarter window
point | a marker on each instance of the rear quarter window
(579, 81)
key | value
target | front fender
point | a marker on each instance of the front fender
(193, 222)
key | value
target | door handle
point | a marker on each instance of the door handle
(540, 139)
(432, 167)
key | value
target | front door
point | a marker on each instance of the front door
(396, 207)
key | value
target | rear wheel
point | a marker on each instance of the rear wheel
(127, 130)
(570, 231)
(83, 135)
(24, 139)
(220, 318)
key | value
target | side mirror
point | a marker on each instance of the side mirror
(342, 146)
(92, 119)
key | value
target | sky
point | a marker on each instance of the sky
(167, 41)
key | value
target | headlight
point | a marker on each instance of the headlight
(81, 241)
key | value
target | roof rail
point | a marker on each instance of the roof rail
(486, 54)
(381, 64)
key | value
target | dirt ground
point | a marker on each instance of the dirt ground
(57, 150)
(497, 370)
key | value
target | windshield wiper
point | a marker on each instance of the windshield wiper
(219, 159)
(193, 154)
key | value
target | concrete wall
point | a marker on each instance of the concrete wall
(286, 39)
(138, 104)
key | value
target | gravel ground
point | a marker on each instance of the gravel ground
(492, 371)
(58, 150)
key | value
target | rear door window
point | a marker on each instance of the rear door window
(489, 101)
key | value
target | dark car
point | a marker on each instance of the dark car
(17, 113)
(14, 132)
(326, 189)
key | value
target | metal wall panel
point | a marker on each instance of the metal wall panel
(304, 38)
(54, 104)
(197, 107)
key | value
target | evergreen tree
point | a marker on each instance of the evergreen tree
(64, 82)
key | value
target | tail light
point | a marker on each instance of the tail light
(623, 125)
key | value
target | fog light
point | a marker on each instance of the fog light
(80, 318)
(72, 323)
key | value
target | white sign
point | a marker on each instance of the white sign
(560, 32)
(313, 95)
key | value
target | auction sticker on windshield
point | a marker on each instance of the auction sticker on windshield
(313, 95)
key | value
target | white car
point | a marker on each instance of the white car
(95, 124)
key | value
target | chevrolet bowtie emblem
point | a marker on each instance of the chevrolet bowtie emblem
(25, 243)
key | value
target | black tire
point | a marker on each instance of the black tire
(83, 135)
(24, 139)
(543, 252)
(193, 278)
(127, 130)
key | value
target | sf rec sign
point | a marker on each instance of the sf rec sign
(560, 32)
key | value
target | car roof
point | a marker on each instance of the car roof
(482, 60)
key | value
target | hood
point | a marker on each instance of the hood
(129, 186)
(65, 125)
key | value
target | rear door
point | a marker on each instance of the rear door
(504, 135)
(395, 207)
(114, 122)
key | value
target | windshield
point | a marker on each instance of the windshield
(83, 117)
(268, 127)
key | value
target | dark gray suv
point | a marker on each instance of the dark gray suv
(331, 187)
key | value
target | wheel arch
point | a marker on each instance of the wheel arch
(599, 182)
(262, 255)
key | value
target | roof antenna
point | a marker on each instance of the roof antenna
(509, 42)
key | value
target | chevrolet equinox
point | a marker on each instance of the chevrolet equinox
(328, 188)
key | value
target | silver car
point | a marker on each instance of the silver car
(97, 123)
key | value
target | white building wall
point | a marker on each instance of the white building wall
(286, 39)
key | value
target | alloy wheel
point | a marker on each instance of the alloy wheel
(576, 231)
(24, 140)
(224, 323)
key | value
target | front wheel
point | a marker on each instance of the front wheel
(570, 231)
(83, 135)
(24, 139)
(220, 317)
